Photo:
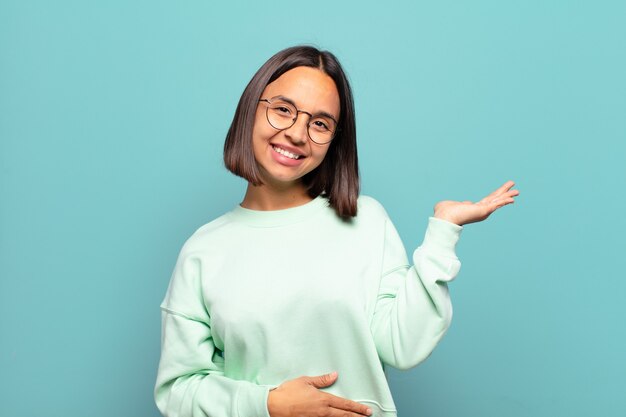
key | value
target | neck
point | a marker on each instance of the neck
(264, 197)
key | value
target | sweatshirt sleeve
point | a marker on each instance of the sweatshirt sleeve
(190, 380)
(413, 309)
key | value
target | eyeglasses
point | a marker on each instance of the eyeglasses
(282, 115)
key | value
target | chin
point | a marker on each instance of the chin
(279, 179)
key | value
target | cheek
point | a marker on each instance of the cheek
(320, 155)
(262, 131)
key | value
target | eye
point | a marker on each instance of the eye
(282, 109)
(320, 125)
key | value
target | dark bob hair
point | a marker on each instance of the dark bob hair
(337, 177)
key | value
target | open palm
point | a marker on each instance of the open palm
(464, 212)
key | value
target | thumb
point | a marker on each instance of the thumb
(323, 380)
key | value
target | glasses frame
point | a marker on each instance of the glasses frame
(295, 119)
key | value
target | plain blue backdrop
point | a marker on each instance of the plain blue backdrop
(112, 120)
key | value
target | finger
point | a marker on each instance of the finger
(507, 196)
(501, 202)
(342, 413)
(502, 189)
(321, 381)
(347, 405)
(490, 199)
(510, 193)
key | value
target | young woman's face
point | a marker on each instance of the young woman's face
(285, 156)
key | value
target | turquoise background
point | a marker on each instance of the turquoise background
(112, 120)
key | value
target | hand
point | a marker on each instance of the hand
(301, 397)
(467, 212)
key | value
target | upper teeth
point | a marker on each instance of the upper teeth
(286, 153)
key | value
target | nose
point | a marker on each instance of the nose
(298, 132)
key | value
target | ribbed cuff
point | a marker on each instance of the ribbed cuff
(442, 236)
(252, 400)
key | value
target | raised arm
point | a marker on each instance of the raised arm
(413, 309)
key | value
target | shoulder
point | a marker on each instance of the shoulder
(208, 235)
(370, 213)
(368, 206)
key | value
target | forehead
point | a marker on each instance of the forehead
(309, 88)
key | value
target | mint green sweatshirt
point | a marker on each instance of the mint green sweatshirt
(260, 297)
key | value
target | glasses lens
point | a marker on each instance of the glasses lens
(322, 129)
(281, 114)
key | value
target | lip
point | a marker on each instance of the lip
(284, 160)
(291, 149)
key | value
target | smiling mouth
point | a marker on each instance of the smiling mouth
(286, 153)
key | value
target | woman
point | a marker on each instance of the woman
(304, 277)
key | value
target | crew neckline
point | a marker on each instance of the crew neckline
(282, 217)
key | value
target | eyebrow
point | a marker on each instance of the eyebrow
(290, 101)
